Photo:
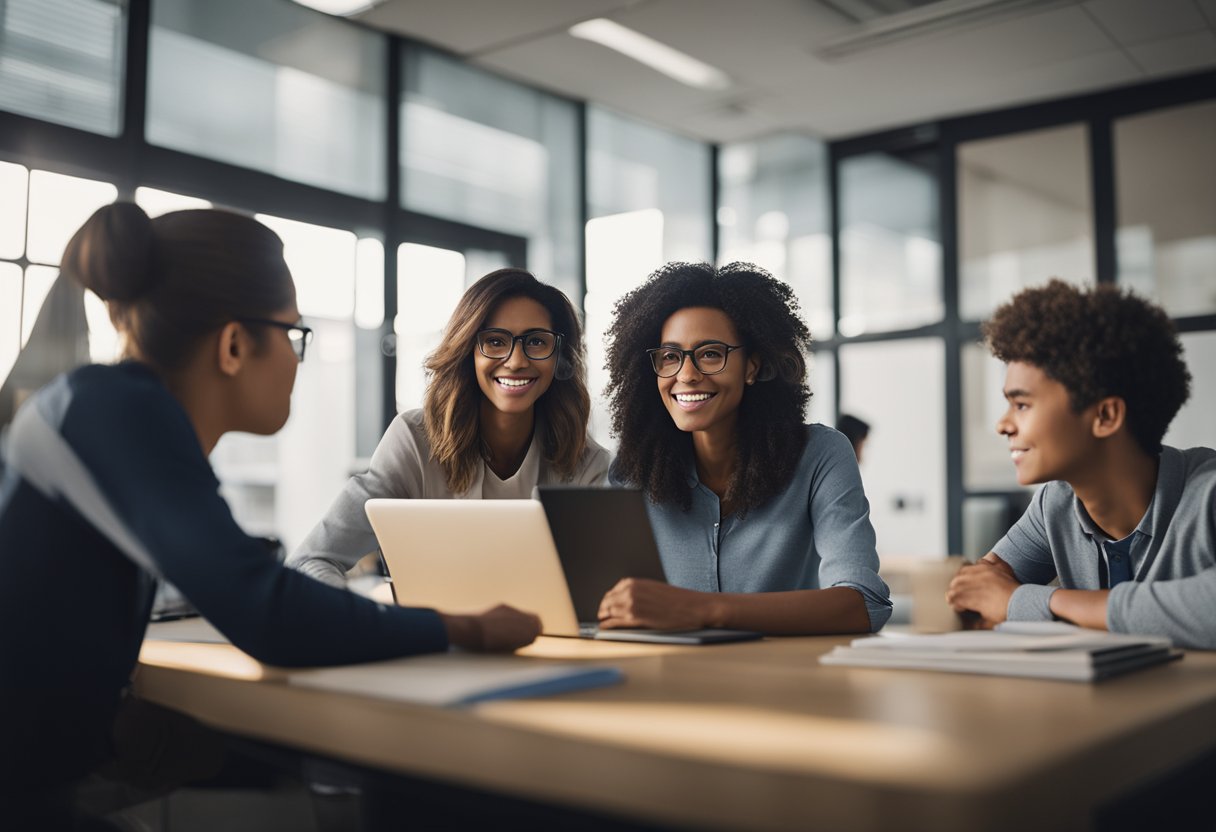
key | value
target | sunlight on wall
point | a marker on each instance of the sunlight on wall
(156, 202)
(58, 206)
(369, 283)
(430, 282)
(14, 184)
(622, 249)
(322, 262)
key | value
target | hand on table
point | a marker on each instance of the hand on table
(498, 630)
(641, 602)
(983, 588)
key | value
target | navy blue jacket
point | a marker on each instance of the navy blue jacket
(104, 488)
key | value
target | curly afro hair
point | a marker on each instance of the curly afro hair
(657, 456)
(1098, 342)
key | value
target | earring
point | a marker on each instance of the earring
(751, 380)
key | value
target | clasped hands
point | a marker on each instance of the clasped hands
(983, 588)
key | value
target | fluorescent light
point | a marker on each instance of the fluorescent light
(344, 8)
(876, 28)
(671, 62)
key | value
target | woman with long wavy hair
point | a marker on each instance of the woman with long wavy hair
(761, 520)
(505, 410)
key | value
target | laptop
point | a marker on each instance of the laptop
(465, 556)
(603, 535)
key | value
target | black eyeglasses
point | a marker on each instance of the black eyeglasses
(297, 334)
(538, 344)
(709, 358)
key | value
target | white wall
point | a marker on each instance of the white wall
(1195, 424)
(899, 388)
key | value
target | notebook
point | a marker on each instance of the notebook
(1045, 650)
(454, 679)
(465, 556)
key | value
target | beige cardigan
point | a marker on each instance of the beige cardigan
(402, 467)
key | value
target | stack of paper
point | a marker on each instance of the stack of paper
(457, 678)
(191, 628)
(1047, 650)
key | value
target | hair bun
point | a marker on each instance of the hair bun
(112, 253)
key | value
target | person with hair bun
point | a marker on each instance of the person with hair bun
(761, 520)
(106, 489)
(506, 409)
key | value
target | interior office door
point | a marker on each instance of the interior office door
(436, 260)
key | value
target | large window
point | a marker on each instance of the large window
(484, 151)
(1166, 175)
(1025, 215)
(40, 211)
(248, 84)
(773, 211)
(62, 61)
(898, 387)
(648, 203)
(281, 485)
(1194, 424)
(890, 243)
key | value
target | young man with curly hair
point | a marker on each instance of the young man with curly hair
(1128, 525)
(761, 520)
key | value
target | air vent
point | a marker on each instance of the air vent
(882, 22)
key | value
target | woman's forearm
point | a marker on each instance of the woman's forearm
(835, 610)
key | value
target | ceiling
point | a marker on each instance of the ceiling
(782, 78)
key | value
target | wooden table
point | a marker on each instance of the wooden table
(745, 736)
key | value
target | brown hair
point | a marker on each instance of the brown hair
(171, 280)
(451, 408)
(1098, 342)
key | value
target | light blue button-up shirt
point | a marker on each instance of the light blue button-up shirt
(815, 534)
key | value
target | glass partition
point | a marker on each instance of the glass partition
(62, 61)
(435, 280)
(898, 387)
(58, 206)
(986, 463)
(822, 374)
(1165, 166)
(10, 318)
(281, 485)
(244, 83)
(649, 203)
(890, 246)
(1025, 215)
(14, 197)
(487, 152)
(1194, 425)
(773, 211)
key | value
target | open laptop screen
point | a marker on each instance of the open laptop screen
(602, 535)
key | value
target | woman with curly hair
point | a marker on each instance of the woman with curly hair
(761, 520)
(506, 409)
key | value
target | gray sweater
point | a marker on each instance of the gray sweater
(1173, 554)
(402, 467)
